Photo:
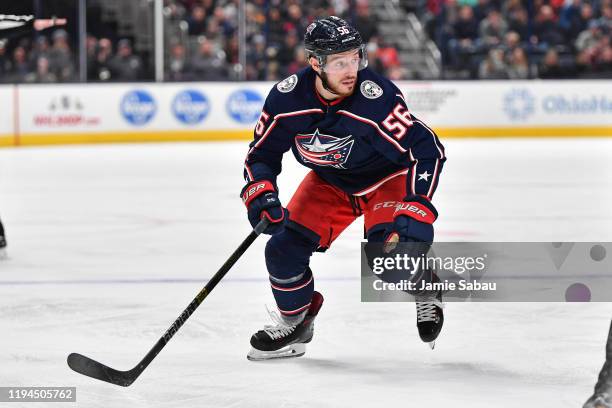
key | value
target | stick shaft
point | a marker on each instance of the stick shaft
(178, 323)
(94, 369)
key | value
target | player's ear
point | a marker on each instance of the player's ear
(314, 64)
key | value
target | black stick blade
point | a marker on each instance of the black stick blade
(91, 368)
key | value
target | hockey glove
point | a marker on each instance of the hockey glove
(412, 222)
(261, 200)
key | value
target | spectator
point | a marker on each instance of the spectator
(605, 21)
(60, 56)
(518, 66)
(174, 11)
(597, 56)
(178, 69)
(286, 53)
(589, 38)
(364, 22)
(208, 5)
(4, 61)
(299, 61)
(493, 66)
(513, 5)
(227, 27)
(276, 32)
(551, 68)
(19, 67)
(493, 28)
(196, 22)
(255, 21)
(569, 16)
(101, 67)
(91, 47)
(387, 55)
(482, 9)
(465, 32)
(42, 74)
(232, 51)
(256, 59)
(214, 34)
(466, 27)
(209, 64)
(511, 42)
(295, 21)
(125, 66)
(518, 21)
(546, 29)
(273, 71)
(41, 49)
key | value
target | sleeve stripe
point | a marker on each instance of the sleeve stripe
(413, 170)
(249, 173)
(375, 125)
(284, 115)
(413, 177)
(260, 141)
(434, 179)
(435, 139)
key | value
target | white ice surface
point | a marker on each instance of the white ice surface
(108, 244)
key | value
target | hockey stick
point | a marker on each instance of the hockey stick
(91, 368)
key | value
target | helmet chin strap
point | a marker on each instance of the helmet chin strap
(323, 77)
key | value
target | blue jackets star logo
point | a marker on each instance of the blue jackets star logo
(324, 150)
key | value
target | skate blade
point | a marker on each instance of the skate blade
(432, 344)
(598, 401)
(3, 254)
(291, 351)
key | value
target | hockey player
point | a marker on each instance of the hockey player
(602, 398)
(2, 242)
(369, 156)
(13, 26)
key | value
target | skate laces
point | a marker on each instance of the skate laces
(280, 329)
(426, 311)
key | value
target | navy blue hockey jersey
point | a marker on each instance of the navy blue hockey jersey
(355, 143)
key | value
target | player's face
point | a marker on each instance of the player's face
(341, 70)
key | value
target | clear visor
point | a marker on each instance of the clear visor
(336, 63)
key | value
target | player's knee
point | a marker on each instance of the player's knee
(375, 256)
(288, 254)
(375, 237)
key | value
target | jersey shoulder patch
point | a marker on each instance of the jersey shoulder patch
(288, 84)
(371, 89)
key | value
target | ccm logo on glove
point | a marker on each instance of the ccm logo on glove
(418, 211)
(412, 209)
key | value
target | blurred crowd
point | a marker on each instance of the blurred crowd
(517, 39)
(274, 33)
(488, 39)
(50, 58)
(40, 59)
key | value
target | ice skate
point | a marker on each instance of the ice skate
(2, 247)
(430, 317)
(285, 340)
(599, 401)
(602, 398)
